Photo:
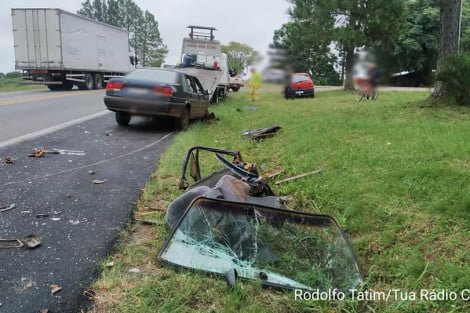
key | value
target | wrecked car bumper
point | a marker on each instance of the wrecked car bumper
(143, 107)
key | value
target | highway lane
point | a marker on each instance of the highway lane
(26, 112)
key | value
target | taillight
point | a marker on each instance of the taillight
(114, 86)
(164, 90)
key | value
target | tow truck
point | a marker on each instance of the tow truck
(202, 57)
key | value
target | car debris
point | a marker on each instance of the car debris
(55, 289)
(9, 160)
(232, 224)
(7, 208)
(30, 242)
(297, 177)
(39, 153)
(260, 133)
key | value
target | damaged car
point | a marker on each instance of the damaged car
(231, 223)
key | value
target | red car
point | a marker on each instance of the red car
(302, 85)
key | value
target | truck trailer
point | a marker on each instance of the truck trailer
(201, 56)
(59, 49)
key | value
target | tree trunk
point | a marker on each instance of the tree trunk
(348, 67)
(449, 35)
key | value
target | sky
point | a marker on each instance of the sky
(249, 21)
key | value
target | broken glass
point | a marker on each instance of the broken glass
(279, 248)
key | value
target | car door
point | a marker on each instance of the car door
(203, 97)
(193, 99)
(198, 98)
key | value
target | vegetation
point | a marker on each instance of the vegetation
(455, 75)
(11, 82)
(143, 28)
(394, 173)
(349, 24)
(240, 55)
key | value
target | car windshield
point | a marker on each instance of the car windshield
(299, 78)
(279, 248)
(154, 75)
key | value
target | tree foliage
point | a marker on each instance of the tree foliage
(350, 24)
(305, 53)
(144, 36)
(240, 55)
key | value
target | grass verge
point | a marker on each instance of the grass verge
(395, 173)
(13, 84)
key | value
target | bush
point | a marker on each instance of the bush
(455, 74)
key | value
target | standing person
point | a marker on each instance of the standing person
(288, 92)
(255, 84)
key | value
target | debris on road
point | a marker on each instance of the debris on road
(9, 160)
(297, 177)
(91, 172)
(252, 107)
(110, 264)
(39, 153)
(7, 208)
(134, 270)
(30, 242)
(98, 181)
(55, 289)
(260, 133)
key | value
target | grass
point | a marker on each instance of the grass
(395, 173)
(13, 84)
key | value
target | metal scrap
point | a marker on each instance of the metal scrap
(30, 242)
(9, 160)
(260, 133)
(7, 208)
(39, 153)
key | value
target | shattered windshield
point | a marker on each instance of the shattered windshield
(277, 247)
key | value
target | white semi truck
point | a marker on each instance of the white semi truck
(201, 56)
(60, 49)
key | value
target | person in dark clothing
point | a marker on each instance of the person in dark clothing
(288, 92)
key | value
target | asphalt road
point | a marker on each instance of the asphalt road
(26, 112)
(82, 220)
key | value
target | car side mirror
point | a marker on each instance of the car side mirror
(207, 92)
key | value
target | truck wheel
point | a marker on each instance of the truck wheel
(98, 81)
(54, 87)
(235, 89)
(122, 119)
(89, 83)
(67, 85)
(182, 122)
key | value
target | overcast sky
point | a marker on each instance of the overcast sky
(249, 21)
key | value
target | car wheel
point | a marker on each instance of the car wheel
(122, 118)
(182, 122)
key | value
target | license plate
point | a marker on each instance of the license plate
(299, 92)
(137, 90)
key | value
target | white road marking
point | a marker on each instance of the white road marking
(52, 129)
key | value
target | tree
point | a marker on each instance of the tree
(415, 49)
(144, 36)
(449, 38)
(240, 55)
(350, 24)
(150, 47)
(305, 52)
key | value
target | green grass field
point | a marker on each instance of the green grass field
(395, 173)
(13, 84)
